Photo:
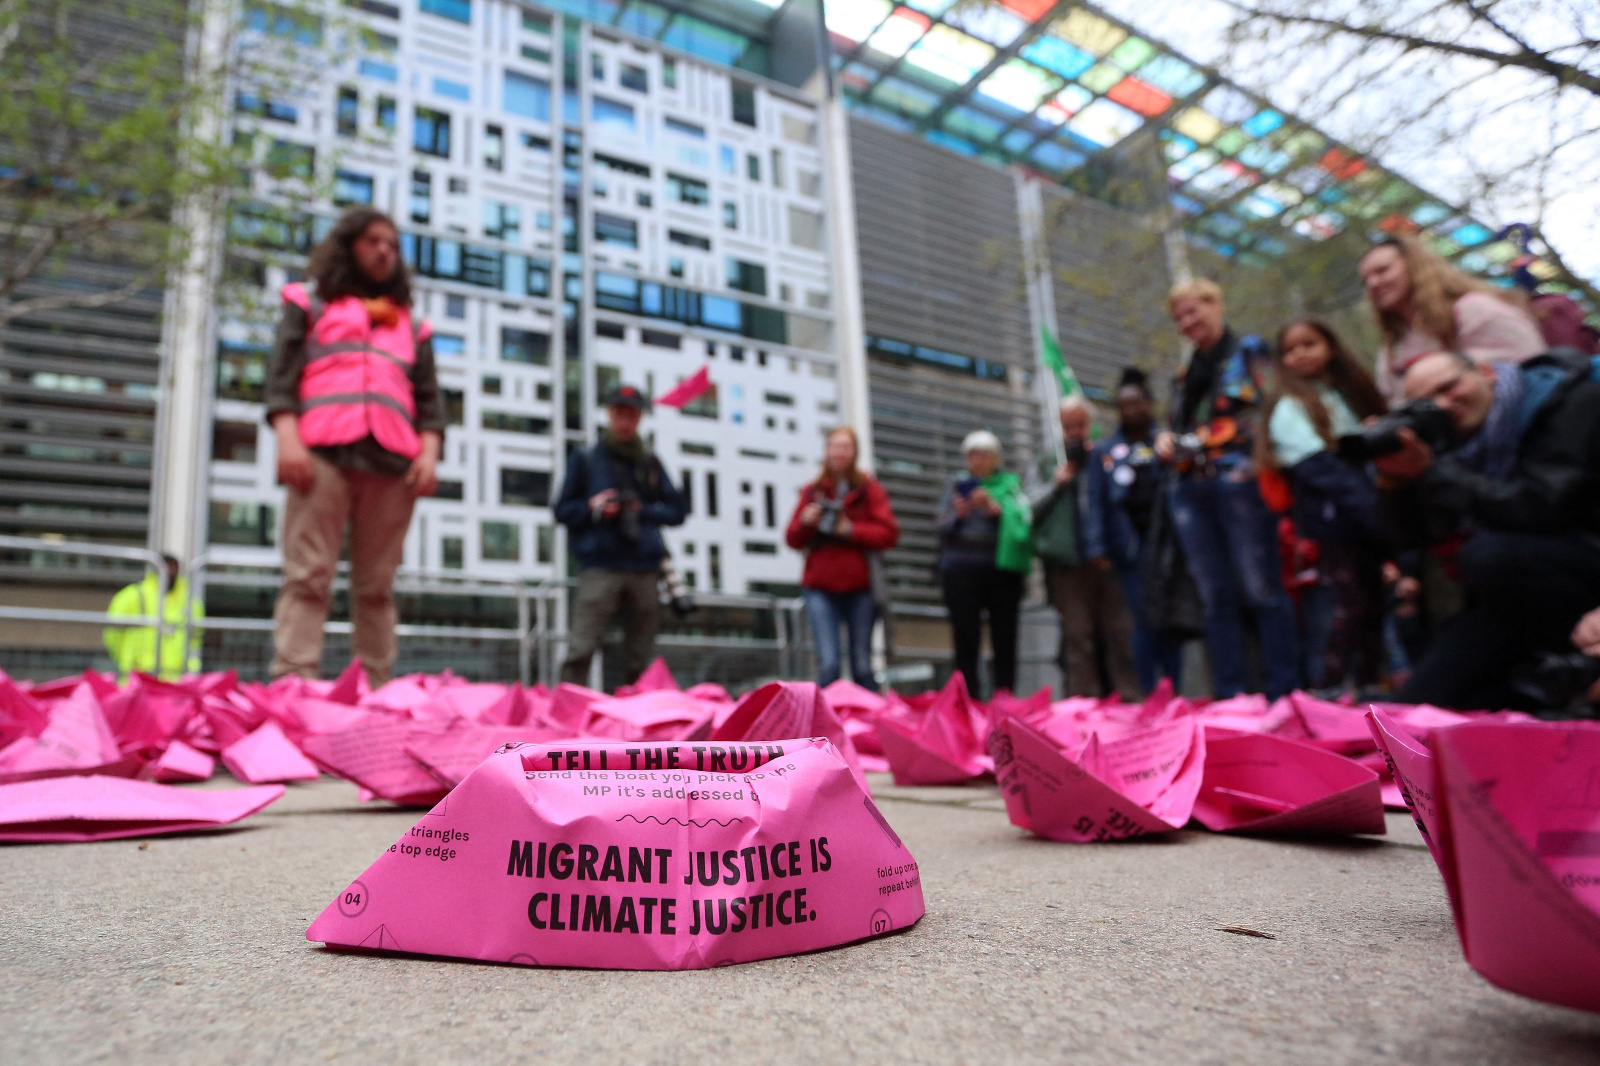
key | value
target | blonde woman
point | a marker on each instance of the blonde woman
(1423, 304)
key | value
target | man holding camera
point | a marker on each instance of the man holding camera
(615, 500)
(1517, 476)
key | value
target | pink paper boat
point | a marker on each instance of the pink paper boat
(450, 757)
(107, 808)
(1411, 765)
(181, 763)
(600, 857)
(785, 710)
(372, 755)
(267, 756)
(77, 741)
(21, 715)
(1519, 823)
(940, 748)
(1254, 783)
(1156, 774)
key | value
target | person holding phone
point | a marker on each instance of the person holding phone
(985, 552)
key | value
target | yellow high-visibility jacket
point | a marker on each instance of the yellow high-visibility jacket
(133, 648)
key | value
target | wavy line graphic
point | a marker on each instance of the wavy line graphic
(680, 821)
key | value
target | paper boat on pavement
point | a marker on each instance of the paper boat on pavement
(637, 856)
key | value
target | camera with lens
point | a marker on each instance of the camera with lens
(1425, 418)
(1557, 679)
(628, 515)
(1187, 450)
(828, 521)
(679, 598)
(1077, 454)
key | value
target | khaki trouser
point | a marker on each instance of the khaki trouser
(378, 511)
(1090, 599)
(602, 594)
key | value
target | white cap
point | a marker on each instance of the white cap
(981, 440)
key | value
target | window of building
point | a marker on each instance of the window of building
(769, 505)
(736, 353)
(506, 422)
(371, 68)
(524, 346)
(500, 542)
(752, 166)
(453, 89)
(454, 10)
(449, 346)
(450, 490)
(233, 442)
(452, 553)
(778, 399)
(685, 129)
(756, 453)
(656, 338)
(538, 55)
(747, 277)
(711, 496)
(729, 159)
(384, 114)
(744, 104)
(455, 307)
(351, 188)
(524, 488)
(597, 66)
(669, 73)
(541, 391)
(689, 447)
(817, 299)
(688, 190)
(455, 406)
(535, 23)
(491, 385)
(458, 185)
(805, 228)
(251, 524)
(613, 114)
(809, 183)
(254, 104)
(642, 198)
(634, 77)
(431, 134)
(286, 159)
(494, 147)
(527, 97)
(535, 143)
(703, 406)
(614, 330)
(241, 371)
(622, 166)
(613, 229)
(545, 543)
(502, 221)
(347, 111)
(772, 423)
(686, 490)
(747, 518)
(690, 240)
(760, 547)
(421, 196)
(375, 7)
(777, 168)
(730, 214)
(675, 266)
(785, 292)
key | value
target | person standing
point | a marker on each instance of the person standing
(1124, 479)
(1228, 534)
(841, 517)
(985, 553)
(1323, 394)
(139, 649)
(1423, 304)
(1079, 576)
(615, 499)
(354, 401)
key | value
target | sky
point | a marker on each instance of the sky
(1478, 127)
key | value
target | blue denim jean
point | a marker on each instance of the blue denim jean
(1230, 541)
(1154, 655)
(856, 611)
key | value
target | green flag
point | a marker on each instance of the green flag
(1058, 364)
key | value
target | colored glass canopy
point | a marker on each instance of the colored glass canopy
(1048, 85)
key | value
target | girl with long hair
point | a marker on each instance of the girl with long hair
(1423, 304)
(1323, 393)
(354, 401)
(842, 517)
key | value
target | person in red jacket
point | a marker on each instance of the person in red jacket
(842, 516)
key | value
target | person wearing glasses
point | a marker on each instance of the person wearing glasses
(1518, 483)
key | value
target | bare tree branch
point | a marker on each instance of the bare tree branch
(79, 301)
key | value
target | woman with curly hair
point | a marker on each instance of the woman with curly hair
(354, 402)
(1423, 304)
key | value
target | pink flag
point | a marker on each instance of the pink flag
(621, 856)
(687, 389)
(106, 808)
(265, 756)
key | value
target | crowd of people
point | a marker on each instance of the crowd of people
(1432, 529)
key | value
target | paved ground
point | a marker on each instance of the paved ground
(192, 949)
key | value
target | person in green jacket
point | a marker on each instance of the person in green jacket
(985, 552)
(133, 648)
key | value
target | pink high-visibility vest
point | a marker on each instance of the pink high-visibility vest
(357, 376)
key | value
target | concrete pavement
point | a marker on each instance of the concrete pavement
(191, 950)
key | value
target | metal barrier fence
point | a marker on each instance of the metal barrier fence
(535, 633)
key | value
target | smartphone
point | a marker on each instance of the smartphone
(967, 486)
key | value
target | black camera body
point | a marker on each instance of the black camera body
(1078, 454)
(828, 522)
(628, 515)
(1426, 419)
